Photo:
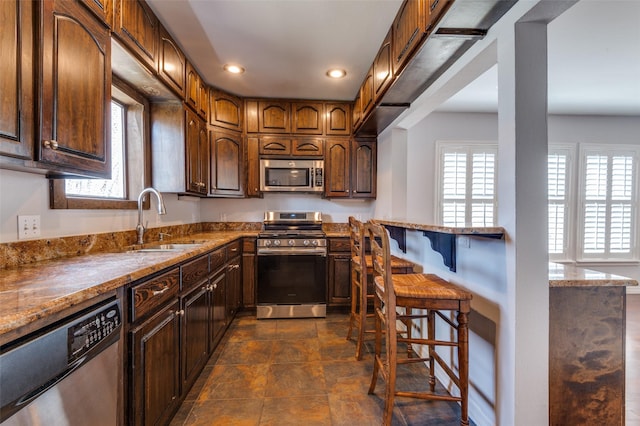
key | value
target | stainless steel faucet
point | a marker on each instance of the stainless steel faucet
(161, 210)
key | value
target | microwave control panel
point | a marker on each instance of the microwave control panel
(318, 178)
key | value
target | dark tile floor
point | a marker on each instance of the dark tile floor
(300, 371)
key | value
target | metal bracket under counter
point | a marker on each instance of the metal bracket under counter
(441, 241)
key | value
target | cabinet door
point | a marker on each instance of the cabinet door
(171, 63)
(308, 147)
(253, 167)
(275, 146)
(308, 118)
(408, 31)
(382, 70)
(366, 93)
(75, 90)
(227, 164)
(218, 307)
(338, 119)
(192, 91)
(356, 111)
(225, 110)
(339, 282)
(155, 368)
(203, 99)
(101, 8)
(337, 174)
(137, 26)
(197, 148)
(249, 265)
(195, 328)
(364, 169)
(273, 117)
(437, 8)
(233, 289)
(16, 79)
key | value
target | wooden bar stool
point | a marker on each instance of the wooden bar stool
(416, 291)
(362, 282)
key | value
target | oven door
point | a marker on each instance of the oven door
(292, 279)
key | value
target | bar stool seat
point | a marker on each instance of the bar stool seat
(362, 283)
(429, 293)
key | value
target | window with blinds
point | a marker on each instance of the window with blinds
(467, 184)
(559, 193)
(608, 199)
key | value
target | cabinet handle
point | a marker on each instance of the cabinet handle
(158, 292)
(51, 144)
(180, 312)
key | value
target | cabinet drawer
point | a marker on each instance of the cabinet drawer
(149, 295)
(218, 258)
(339, 244)
(194, 272)
(233, 249)
(277, 146)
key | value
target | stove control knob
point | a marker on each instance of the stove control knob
(267, 243)
(276, 242)
(314, 242)
(291, 242)
(306, 242)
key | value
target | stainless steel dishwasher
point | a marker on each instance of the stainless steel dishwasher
(66, 374)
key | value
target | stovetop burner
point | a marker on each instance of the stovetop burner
(292, 225)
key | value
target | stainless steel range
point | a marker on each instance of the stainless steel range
(292, 266)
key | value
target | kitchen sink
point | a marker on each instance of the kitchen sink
(167, 247)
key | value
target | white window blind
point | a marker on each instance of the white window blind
(467, 184)
(558, 188)
(608, 202)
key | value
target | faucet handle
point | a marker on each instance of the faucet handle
(161, 235)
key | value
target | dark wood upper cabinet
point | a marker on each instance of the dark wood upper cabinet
(436, 9)
(274, 117)
(356, 111)
(197, 152)
(203, 99)
(363, 169)
(75, 90)
(137, 27)
(367, 97)
(171, 63)
(307, 147)
(253, 167)
(225, 110)
(337, 169)
(192, 91)
(101, 8)
(227, 163)
(16, 79)
(308, 118)
(408, 30)
(275, 146)
(382, 69)
(338, 119)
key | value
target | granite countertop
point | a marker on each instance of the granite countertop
(561, 275)
(34, 291)
(475, 230)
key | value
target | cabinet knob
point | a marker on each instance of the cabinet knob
(158, 292)
(51, 144)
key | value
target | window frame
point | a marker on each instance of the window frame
(469, 147)
(609, 150)
(570, 150)
(58, 197)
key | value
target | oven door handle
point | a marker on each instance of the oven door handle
(286, 251)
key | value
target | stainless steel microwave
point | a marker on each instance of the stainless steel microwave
(291, 175)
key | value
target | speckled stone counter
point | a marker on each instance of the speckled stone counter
(587, 322)
(33, 291)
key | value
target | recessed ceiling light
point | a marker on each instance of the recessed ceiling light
(233, 69)
(336, 73)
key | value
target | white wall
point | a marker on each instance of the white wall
(28, 194)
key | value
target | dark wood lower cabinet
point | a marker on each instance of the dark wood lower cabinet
(195, 327)
(155, 367)
(339, 270)
(217, 308)
(234, 287)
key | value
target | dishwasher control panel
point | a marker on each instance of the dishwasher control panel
(89, 331)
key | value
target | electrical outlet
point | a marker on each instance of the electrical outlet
(28, 226)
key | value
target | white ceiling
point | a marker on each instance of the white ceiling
(287, 46)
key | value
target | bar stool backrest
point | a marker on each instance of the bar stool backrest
(381, 257)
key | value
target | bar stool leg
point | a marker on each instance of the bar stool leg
(431, 335)
(377, 350)
(354, 304)
(463, 366)
(361, 296)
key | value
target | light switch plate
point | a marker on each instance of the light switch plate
(28, 226)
